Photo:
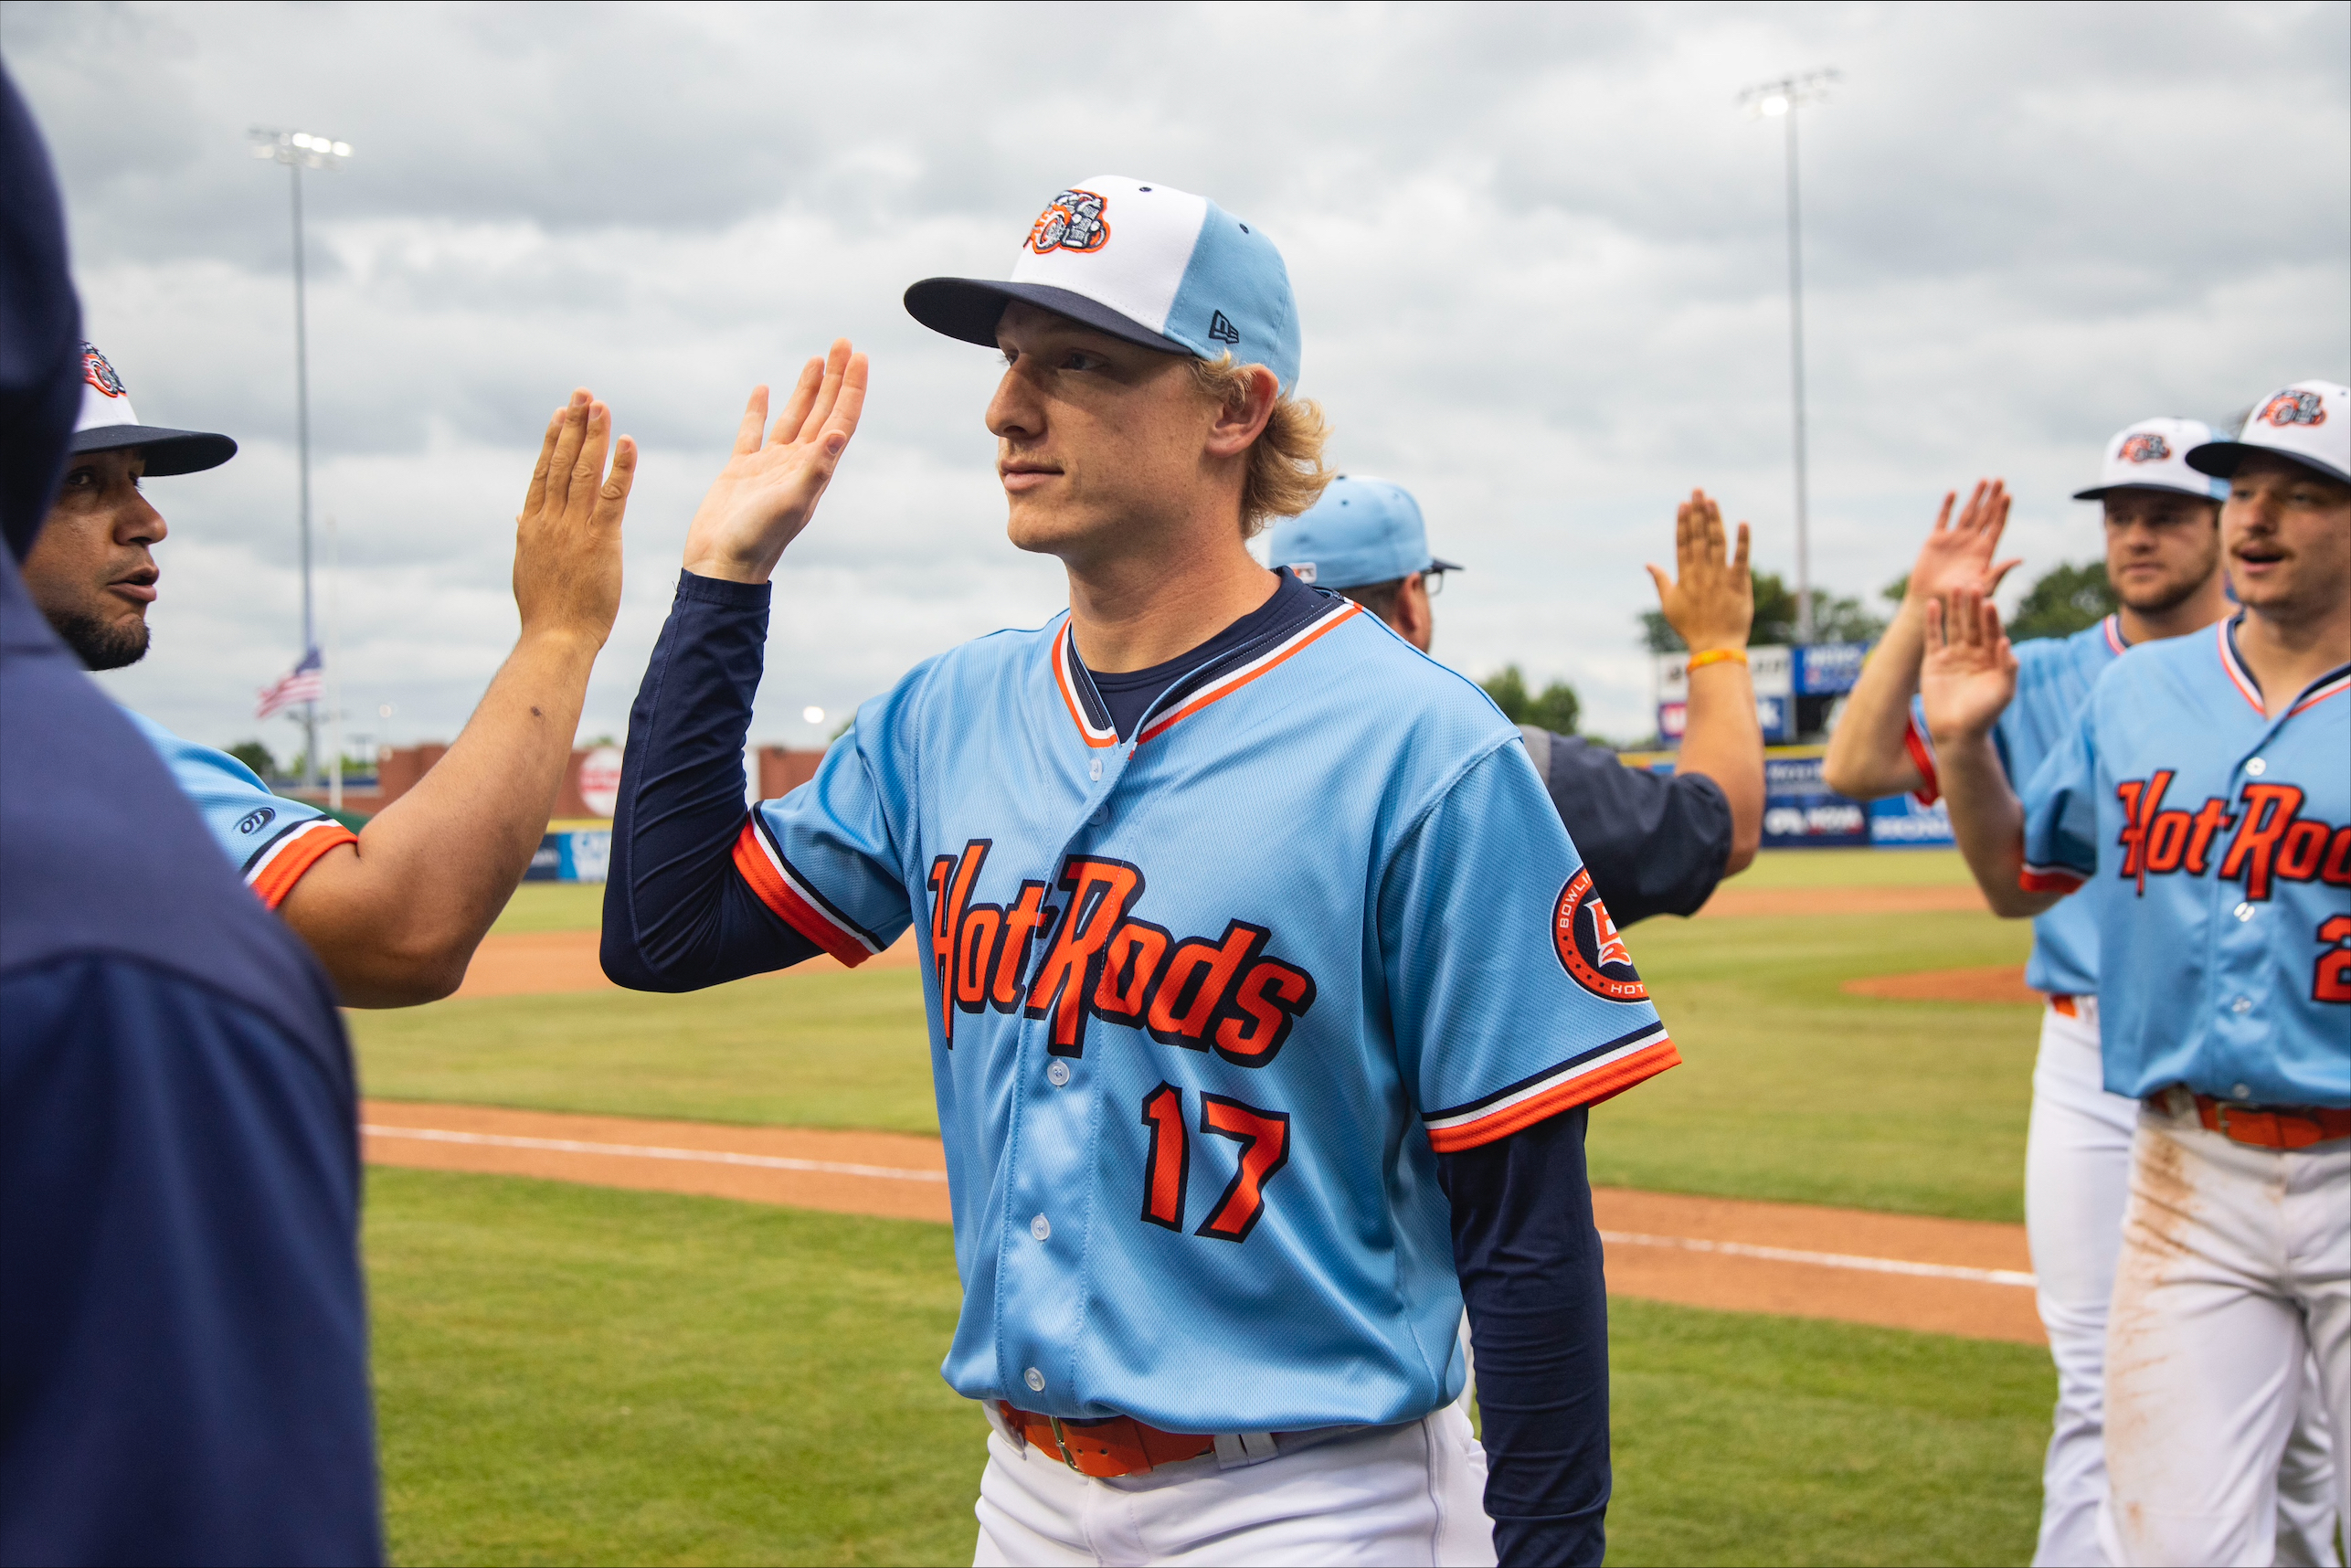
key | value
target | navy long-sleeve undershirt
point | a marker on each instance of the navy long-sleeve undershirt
(677, 917)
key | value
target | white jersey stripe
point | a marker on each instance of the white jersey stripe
(1574, 1070)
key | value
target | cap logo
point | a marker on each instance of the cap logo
(1222, 329)
(98, 373)
(2293, 407)
(1071, 221)
(2144, 447)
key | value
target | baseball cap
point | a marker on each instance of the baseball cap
(2152, 455)
(2309, 422)
(107, 424)
(1145, 263)
(1362, 531)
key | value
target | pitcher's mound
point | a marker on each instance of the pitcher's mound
(1994, 982)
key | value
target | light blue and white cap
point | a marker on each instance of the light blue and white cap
(1149, 263)
(2152, 455)
(1362, 531)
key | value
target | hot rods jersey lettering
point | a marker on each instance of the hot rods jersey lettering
(2212, 843)
(1205, 1003)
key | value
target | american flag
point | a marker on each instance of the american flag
(305, 683)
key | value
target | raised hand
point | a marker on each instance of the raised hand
(1958, 555)
(768, 492)
(1712, 604)
(1969, 672)
(567, 536)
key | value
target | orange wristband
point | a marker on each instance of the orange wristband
(1717, 656)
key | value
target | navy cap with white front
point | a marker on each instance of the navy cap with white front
(1362, 531)
(1147, 263)
(107, 424)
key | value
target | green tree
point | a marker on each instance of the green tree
(1556, 708)
(1834, 619)
(255, 756)
(2065, 599)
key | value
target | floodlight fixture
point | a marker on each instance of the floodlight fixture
(1780, 100)
(303, 148)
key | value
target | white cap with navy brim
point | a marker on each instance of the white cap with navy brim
(2308, 422)
(1144, 262)
(2152, 455)
(107, 424)
(1363, 531)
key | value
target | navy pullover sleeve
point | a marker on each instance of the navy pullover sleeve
(1656, 843)
(1529, 1253)
(677, 917)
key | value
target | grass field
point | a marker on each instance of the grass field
(568, 1374)
(1791, 1090)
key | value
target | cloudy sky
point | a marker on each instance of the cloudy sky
(1538, 251)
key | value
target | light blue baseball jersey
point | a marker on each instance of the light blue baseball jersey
(271, 841)
(2054, 675)
(1206, 1002)
(2212, 847)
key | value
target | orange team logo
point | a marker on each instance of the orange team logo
(1589, 947)
(100, 374)
(2293, 407)
(1071, 221)
(2144, 447)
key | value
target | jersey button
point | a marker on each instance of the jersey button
(2242, 1004)
(2243, 912)
(1035, 1378)
(1094, 769)
(1040, 1227)
(2241, 1092)
(2255, 766)
(1057, 1075)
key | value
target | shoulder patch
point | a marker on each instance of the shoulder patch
(1589, 948)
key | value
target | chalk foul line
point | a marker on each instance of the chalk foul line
(650, 1151)
(1827, 1259)
(898, 1174)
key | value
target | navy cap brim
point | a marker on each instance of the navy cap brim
(969, 308)
(168, 452)
(1435, 564)
(2101, 492)
(2220, 458)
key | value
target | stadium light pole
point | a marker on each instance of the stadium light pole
(1780, 101)
(300, 149)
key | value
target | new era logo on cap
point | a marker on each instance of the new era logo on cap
(2308, 422)
(2151, 455)
(1149, 263)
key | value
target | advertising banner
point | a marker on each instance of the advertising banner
(1899, 822)
(1771, 668)
(571, 855)
(1800, 812)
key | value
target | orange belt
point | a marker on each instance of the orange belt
(2273, 1127)
(1113, 1446)
(2060, 1003)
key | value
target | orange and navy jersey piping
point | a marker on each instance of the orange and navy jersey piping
(277, 866)
(1187, 697)
(794, 899)
(1585, 1078)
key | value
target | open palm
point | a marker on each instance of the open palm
(768, 491)
(1958, 555)
(1969, 672)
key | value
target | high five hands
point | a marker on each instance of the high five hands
(768, 491)
(1958, 555)
(1713, 603)
(1970, 672)
(567, 536)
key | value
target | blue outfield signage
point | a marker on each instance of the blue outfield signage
(1800, 810)
(571, 856)
(1899, 822)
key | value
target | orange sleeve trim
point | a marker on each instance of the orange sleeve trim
(1923, 759)
(280, 868)
(1588, 1090)
(758, 867)
(2047, 879)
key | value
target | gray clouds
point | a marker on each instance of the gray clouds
(1536, 251)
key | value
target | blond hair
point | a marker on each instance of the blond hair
(1287, 474)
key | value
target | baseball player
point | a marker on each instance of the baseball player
(396, 911)
(1264, 1017)
(2201, 805)
(1653, 845)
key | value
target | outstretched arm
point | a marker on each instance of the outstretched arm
(1968, 677)
(1870, 753)
(395, 917)
(677, 915)
(1712, 606)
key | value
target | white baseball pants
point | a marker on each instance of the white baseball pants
(2077, 1183)
(2235, 1273)
(1389, 1495)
